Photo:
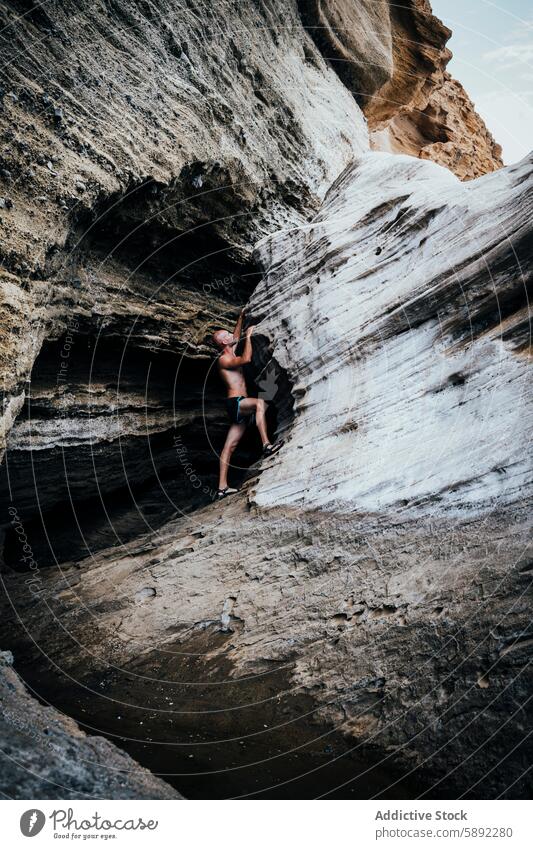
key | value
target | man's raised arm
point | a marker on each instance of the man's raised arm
(238, 326)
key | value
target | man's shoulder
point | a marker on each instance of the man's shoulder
(226, 361)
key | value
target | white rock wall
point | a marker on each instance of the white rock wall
(402, 403)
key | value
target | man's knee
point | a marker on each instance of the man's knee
(231, 445)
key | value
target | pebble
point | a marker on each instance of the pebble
(6, 174)
(81, 187)
(6, 203)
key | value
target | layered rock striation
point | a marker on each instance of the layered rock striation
(139, 137)
(354, 621)
(444, 127)
(393, 58)
(359, 613)
(409, 291)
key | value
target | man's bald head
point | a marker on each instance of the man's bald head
(221, 338)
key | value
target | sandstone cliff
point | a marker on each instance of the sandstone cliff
(355, 619)
(127, 127)
(393, 57)
(444, 128)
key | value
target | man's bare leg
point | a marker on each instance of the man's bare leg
(257, 406)
(235, 434)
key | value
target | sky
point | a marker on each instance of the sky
(492, 46)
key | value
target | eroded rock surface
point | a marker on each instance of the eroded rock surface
(359, 614)
(45, 755)
(445, 128)
(145, 149)
(393, 58)
(405, 329)
(354, 622)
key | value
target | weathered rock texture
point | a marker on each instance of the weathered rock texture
(392, 56)
(46, 756)
(147, 148)
(406, 333)
(361, 609)
(443, 127)
(138, 136)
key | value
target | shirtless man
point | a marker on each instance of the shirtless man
(240, 408)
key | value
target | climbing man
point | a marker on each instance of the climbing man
(241, 409)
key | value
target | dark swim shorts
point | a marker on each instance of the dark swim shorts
(234, 413)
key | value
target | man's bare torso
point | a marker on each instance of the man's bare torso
(234, 381)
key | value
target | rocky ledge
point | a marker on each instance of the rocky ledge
(45, 755)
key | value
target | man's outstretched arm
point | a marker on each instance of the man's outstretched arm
(227, 361)
(238, 327)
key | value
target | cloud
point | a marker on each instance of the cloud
(511, 55)
(521, 33)
(509, 116)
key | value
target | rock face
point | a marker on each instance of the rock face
(406, 282)
(393, 58)
(143, 155)
(444, 128)
(145, 143)
(356, 38)
(374, 576)
(354, 619)
(46, 755)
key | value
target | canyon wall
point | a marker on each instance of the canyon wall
(393, 58)
(369, 587)
(146, 150)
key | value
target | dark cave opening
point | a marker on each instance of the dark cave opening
(152, 229)
(123, 441)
